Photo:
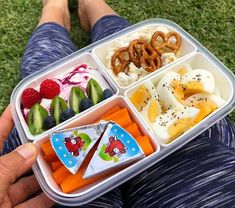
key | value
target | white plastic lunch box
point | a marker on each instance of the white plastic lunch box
(192, 52)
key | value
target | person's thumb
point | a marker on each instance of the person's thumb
(14, 164)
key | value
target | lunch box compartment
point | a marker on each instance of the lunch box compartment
(59, 72)
(101, 51)
(89, 118)
(224, 87)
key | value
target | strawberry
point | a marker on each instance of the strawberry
(49, 89)
(29, 97)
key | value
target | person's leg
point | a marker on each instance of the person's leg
(200, 174)
(49, 42)
(90, 11)
(57, 12)
(99, 18)
(112, 199)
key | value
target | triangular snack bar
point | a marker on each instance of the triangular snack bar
(72, 145)
(116, 148)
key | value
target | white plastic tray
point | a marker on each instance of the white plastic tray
(224, 77)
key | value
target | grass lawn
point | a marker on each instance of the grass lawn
(211, 22)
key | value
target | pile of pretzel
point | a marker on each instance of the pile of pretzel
(145, 54)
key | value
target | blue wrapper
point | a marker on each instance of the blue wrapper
(116, 148)
(72, 145)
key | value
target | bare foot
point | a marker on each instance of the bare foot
(59, 4)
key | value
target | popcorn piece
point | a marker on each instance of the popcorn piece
(135, 70)
(167, 58)
(133, 77)
(123, 79)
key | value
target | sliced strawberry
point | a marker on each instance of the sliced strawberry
(29, 97)
(49, 89)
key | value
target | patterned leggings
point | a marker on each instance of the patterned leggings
(200, 174)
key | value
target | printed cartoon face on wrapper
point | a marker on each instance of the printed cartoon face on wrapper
(72, 145)
(116, 148)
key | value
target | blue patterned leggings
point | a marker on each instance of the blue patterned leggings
(200, 174)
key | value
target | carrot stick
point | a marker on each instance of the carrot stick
(48, 153)
(145, 145)
(76, 181)
(56, 165)
(47, 148)
(121, 117)
(73, 182)
(50, 158)
(60, 174)
(133, 130)
(46, 144)
(111, 111)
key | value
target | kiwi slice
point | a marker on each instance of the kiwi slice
(94, 91)
(58, 105)
(36, 116)
(76, 95)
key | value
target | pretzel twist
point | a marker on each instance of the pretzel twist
(121, 56)
(135, 51)
(150, 60)
(147, 55)
(165, 45)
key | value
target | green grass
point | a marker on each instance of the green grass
(211, 22)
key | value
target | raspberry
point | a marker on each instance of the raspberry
(49, 89)
(29, 97)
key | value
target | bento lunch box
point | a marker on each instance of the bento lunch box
(94, 55)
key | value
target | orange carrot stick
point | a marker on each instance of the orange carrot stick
(76, 181)
(47, 148)
(145, 145)
(73, 182)
(48, 153)
(133, 130)
(111, 111)
(56, 165)
(46, 144)
(60, 174)
(50, 158)
(121, 117)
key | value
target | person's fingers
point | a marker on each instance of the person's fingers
(23, 189)
(6, 126)
(40, 201)
(15, 164)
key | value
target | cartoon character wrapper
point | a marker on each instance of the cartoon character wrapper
(116, 148)
(72, 145)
